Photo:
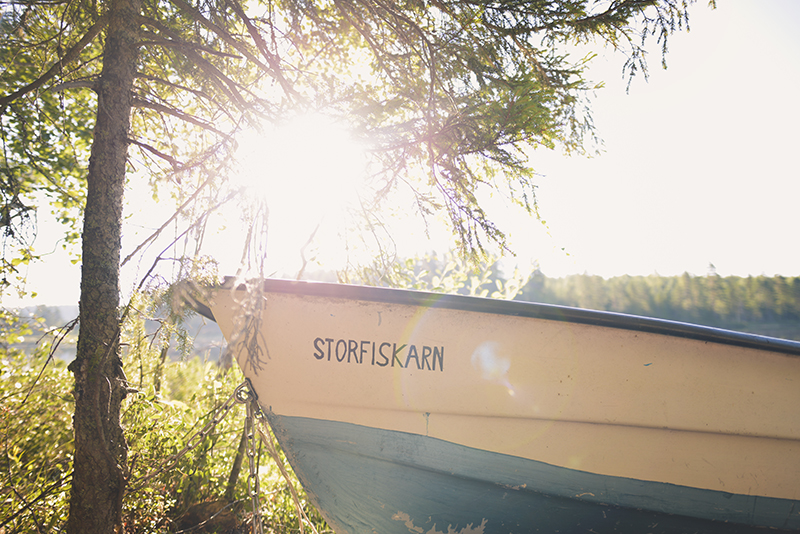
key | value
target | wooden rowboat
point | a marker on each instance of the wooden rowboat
(407, 412)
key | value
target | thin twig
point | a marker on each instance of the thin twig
(175, 215)
(70, 56)
(273, 68)
(176, 165)
(161, 108)
(273, 452)
(64, 330)
(43, 494)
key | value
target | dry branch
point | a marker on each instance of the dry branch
(273, 68)
(161, 108)
(71, 55)
(217, 77)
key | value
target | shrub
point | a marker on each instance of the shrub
(171, 401)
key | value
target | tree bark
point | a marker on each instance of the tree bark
(98, 480)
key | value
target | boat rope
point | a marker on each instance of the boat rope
(272, 449)
(257, 421)
(255, 424)
(191, 443)
(247, 396)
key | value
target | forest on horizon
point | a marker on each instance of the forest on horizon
(766, 305)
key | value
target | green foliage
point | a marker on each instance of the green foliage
(449, 274)
(45, 135)
(758, 304)
(448, 96)
(158, 427)
(13, 329)
(36, 439)
(172, 401)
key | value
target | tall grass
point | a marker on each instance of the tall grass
(168, 402)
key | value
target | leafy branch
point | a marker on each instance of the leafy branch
(71, 55)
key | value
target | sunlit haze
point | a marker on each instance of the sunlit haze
(309, 172)
(697, 167)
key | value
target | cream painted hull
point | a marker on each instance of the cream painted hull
(600, 394)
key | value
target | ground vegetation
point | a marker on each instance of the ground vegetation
(96, 94)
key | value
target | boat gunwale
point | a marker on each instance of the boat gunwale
(516, 308)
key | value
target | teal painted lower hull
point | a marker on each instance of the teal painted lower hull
(366, 480)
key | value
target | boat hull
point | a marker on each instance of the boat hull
(597, 421)
(377, 481)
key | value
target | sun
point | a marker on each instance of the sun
(310, 157)
(310, 173)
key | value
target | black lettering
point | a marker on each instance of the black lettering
(363, 351)
(438, 355)
(426, 353)
(412, 353)
(382, 355)
(319, 353)
(344, 352)
(431, 358)
(395, 352)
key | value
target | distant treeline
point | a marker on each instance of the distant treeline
(759, 304)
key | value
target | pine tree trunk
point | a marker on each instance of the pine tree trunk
(98, 480)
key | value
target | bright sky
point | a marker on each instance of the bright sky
(697, 165)
(700, 162)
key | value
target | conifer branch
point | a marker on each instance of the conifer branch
(180, 44)
(174, 163)
(217, 77)
(71, 55)
(182, 88)
(76, 84)
(166, 83)
(345, 9)
(167, 110)
(273, 60)
(273, 68)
